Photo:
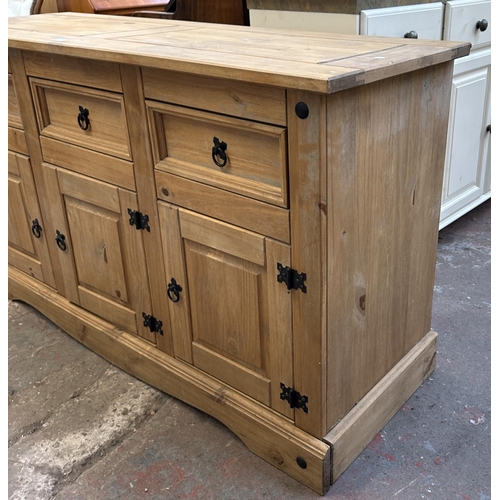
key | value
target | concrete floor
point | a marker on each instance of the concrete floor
(82, 429)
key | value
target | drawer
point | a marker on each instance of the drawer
(14, 113)
(426, 20)
(464, 21)
(93, 119)
(239, 99)
(240, 156)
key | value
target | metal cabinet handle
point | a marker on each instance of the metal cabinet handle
(219, 152)
(482, 25)
(488, 129)
(411, 34)
(36, 229)
(173, 290)
(83, 118)
(61, 240)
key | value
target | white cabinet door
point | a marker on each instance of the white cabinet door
(468, 138)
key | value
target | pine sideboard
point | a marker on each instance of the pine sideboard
(244, 218)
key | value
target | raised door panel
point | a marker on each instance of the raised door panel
(464, 174)
(27, 239)
(105, 250)
(230, 318)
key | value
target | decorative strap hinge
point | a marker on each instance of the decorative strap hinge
(294, 398)
(291, 278)
(139, 220)
(154, 325)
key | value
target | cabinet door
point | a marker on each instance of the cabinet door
(232, 319)
(27, 237)
(101, 253)
(466, 155)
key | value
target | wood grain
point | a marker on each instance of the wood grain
(184, 138)
(359, 427)
(307, 157)
(135, 111)
(295, 60)
(386, 148)
(264, 432)
(264, 104)
(254, 215)
(58, 107)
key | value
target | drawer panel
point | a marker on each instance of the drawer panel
(244, 212)
(265, 104)
(85, 72)
(13, 111)
(59, 109)
(461, 22)
(426, 20)
(250, 156)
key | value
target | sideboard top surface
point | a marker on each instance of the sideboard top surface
(318, 62)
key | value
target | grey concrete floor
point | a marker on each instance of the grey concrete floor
(81, 429)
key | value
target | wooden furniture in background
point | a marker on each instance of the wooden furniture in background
(243, 218)
(222, 11)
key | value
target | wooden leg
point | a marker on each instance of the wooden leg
(266, 433)
(356, 430)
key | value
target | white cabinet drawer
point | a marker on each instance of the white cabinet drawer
(462, 22)
(426, 20)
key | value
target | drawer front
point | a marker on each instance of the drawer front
(13, 110)
(243, 100)
(239, 156)
(93, 119)
(425, 20)
(464, 21)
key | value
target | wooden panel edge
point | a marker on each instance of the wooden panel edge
(264, 432)
(356, 430)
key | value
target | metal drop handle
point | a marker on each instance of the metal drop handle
(83, 118)
(61, 240)
(411, 34)
(219, 153)
(36, 229)
(173, 290)
(482, 25)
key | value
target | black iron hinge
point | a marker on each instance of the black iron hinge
(291, 278)
(139, 220)
(294, 398)
(154, 325)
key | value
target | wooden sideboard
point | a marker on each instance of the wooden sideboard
(244, 218)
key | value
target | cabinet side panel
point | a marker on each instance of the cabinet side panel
(386, 147)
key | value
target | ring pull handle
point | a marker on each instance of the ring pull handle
(61, 240)
(411, 34)
(36, 229)
(482, 25)
(219, 153)
(83, 118)
(173, 290)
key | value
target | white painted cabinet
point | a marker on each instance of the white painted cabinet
(467, 174)
(467, 168)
